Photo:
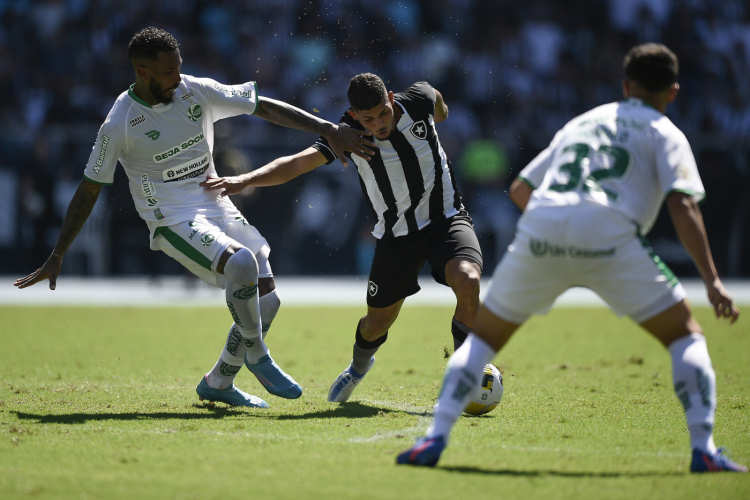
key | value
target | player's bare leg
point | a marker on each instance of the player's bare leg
(462, 375)
(694, 383)
(463, 276)
(372, 332)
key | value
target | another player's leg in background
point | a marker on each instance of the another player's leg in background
(371, 333)
(463, 277)
(462, 376)
(232, 357)
(694, 383)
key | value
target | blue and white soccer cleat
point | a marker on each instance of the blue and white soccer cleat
(703, 462)
(273, 378)
(425, 452)
(231, 395)
(346, 382)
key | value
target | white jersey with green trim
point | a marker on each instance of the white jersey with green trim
(166, 149)
(624, 155)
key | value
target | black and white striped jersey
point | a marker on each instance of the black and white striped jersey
(409, 182)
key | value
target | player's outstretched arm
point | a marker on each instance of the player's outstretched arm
(688, 222)
(520, 193)
(277, 172)
(79, 210)
(340, 139)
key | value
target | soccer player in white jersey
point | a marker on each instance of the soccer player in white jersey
(161, 131)
(588, 199)
(410, 188)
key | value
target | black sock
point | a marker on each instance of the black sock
(460, 332)
(364, 350)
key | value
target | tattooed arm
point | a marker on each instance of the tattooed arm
(339, 138)
(79, 210)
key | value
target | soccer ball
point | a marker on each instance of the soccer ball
(490, 394)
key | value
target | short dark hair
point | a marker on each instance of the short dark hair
(147, 43)
(366, 91)
(652, 66)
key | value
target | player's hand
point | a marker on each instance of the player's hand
(345, 138)
(50, 270)
(230, 185)
(721, 301)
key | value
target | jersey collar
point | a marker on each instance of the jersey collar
(137, 99)
(639, 102)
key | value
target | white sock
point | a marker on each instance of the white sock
(695, 385)
(241, 271)
(230, 362)
(269, 306)
(462, 376)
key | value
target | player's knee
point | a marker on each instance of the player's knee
(242, 267)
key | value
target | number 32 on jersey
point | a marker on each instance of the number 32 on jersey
(609, 163)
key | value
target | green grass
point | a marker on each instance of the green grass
(100, 403)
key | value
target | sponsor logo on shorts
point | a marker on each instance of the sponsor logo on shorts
(241, 219)
(102, 154)
(246, 292)
(207, 240)
(186, 96)
(372, 289)
(195, 231)
(187, 170)
(137, 121)
(153, 134)
(540, 249)
(195, 112)
(228, 370)
(158, 215)
(419, 130)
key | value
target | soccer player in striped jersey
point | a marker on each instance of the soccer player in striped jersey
(410, 188)
(162, 132)
(588, 200)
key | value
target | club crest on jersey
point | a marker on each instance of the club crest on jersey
(195, 112)
(419, 130)
(372, 289)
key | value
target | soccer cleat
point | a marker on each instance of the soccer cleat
(425, 452)
(703, 462)
(273, 378)
(346, 382)
(231, 395)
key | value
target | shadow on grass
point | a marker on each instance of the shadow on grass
(214, 413)
(352, 409)
(558, 473)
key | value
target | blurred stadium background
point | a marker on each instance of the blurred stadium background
(511, 72)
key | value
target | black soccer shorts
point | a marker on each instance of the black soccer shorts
(397, 261)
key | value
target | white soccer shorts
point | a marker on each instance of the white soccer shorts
(586, 245)
(199, 244)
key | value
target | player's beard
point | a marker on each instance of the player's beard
(159, 94)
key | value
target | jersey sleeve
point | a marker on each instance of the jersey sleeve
(533, 173)
(324, 147)
(676, 166)
(229, 100)
(107, 150)
(420, 97)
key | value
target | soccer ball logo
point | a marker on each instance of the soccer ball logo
(488, 397)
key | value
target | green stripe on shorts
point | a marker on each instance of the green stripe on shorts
(183, 246)
(660, 265)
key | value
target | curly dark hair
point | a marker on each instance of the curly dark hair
(366, 91)
(652, 66)
(147, 43)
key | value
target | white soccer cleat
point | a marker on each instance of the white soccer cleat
(344, 385)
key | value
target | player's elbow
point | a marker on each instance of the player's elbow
(520, 193)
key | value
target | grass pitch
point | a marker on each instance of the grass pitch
(101, 403)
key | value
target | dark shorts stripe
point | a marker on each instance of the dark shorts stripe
(183, 246)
